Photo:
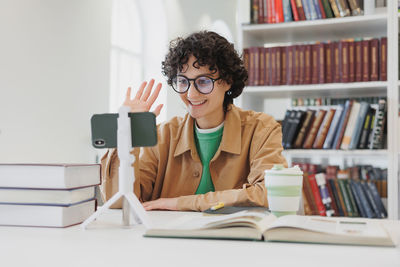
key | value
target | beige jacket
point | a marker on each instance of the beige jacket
(251, 143)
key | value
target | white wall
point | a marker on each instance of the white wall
(54, 74)
(187, 16)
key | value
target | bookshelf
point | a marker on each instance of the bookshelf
(384, 23)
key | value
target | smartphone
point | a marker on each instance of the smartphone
(143, 129)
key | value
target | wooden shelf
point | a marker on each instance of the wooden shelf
(315, 30)
(333, 152)
(319, 90)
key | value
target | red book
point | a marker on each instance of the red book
(366, 60)
(317, 195)
(289, 64)
(314, 63)
(329, 62)
(261, 55)
(271, 11)
(283, 65)
(267, 69)
(321, 66)
(294, 10)
(300, 10)
(321, 8)
(383, 59)
(336, 62)
(302, 64)
(279, 11)
(374, 61)
(352, 65)
(296, 64)
(278, 66)
(344, 61)
(260, 11)
(308, 65)
(272, 64)
(358, 61)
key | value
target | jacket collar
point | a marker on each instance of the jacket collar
(231, 137)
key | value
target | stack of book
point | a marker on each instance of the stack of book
(277, 11)
(47, 195)
(352, 125)
(344, 61)
(359, 191)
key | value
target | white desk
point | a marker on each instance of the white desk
(108, 244)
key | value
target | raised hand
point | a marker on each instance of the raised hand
(144, 99)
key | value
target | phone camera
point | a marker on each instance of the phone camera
(99, 142)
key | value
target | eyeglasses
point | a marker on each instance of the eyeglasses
(203, 84)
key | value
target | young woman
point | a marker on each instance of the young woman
(217, 152)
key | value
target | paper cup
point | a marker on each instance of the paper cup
(284, 187)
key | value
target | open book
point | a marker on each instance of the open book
(252, 225)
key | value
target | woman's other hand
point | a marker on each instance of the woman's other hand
(144, 98)
(162, 204)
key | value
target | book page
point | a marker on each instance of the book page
(336, 226)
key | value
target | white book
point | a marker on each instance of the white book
(45, 215)
(50, 176)
(62, 197)
(348, 133)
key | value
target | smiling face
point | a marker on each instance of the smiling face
(207, 109)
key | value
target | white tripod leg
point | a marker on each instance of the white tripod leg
(138, 210)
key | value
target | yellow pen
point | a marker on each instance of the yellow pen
(218, 206)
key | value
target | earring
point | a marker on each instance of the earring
(229, 92)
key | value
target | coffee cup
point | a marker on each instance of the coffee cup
(284, 189)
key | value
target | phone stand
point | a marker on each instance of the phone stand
(130, 203)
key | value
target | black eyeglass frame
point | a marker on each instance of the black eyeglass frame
(194, 83)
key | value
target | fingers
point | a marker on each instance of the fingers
(151, 205)
(140, 92)
(157, 110)
(147, 92)
(155, 94)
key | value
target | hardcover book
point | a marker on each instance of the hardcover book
(249, 225)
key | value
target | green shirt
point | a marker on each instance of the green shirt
(207, 144)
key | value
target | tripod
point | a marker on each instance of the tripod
(130, 203)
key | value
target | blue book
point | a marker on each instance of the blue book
(306, 8)
(371, 200)
(364, 202)
(287, 10)
(355, 138)
(357, 198)
(347, 108)
(333, 128)
(377, 199)
(315, 4)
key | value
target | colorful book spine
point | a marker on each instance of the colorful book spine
(316, 194)
(333, 128)
(287, 11)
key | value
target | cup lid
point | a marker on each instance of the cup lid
(281, 170)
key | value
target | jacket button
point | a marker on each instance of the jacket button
(196, 174)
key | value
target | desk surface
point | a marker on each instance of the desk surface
(107, 243)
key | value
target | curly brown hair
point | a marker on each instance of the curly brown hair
(212, 50)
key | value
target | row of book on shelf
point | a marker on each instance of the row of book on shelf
(47, 195)
(359, 191)
(351, 125)
(277, 11)
(350, 60)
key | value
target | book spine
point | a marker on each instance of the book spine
(302, 66)
(379, 124)
(342, 124)
(335, 8)
(289, 65)
(300, 10)
(366, 60)
(341, 197)
(352, 200)
(299, 115)
(283, 65)
(321, 63)
(321, 9)
(324, 193)
(377, 199)
(365, 131)
(287, 12)
(336, 197)
(321, 136)
(271, 11)
(358, 61)
(267, 64)
(313, 11)
(344, 61)
(352, 67)
(261, 66)
(333, 128)
(336, 62)
(327, 9)
(273, 65)
(309, 194)
(279, 11)
(316, 9)
(357, 198)
(265, 11)
(308, 64)
(316, 194)
(355, 7)
(383, 59)
(374, 60)
(294, 10)
(314, 64)
(254, 11)
(328, 61)
(308, 121)
(343, 8)
(306, 8)
(314, 129)
(370, 198)
(278, 66)
(350, 126)
(355, 138)
(346, 198)
(364, 202)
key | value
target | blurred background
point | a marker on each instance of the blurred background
(61, 61)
